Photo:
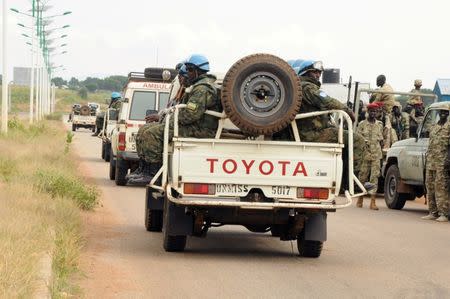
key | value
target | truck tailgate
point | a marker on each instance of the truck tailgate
(259, 164)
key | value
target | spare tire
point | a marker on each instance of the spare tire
(261, 94)
(85, 110)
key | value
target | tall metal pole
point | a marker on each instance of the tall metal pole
(33, 33)
(5, 72)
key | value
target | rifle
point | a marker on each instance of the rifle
(349, 92)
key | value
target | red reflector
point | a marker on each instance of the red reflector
(121, 144)
(312, 193)
(192, 188)
(129, 125)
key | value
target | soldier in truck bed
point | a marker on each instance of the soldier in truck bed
(192, 121)
(115, 97)
(178, 87)
(319, 129)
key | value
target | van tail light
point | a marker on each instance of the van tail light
(121, 145)
(193, 188)
(312, 193)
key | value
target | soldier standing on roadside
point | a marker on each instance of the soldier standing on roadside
(437, 165)
(372, 131)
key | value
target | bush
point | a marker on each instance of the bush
(60, 185)
(83, 92)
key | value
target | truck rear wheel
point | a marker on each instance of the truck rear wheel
(308, 248)
(103, 151)
(107, 152)
(121, 171)
(112, 166)
(153, 220)
(393, 199)
(171, 243)
(261, 94)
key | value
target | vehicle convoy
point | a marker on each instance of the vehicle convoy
(404, 169)
(84, 117)
(143, 93)
(241, 176)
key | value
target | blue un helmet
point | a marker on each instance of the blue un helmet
(116, 95)
(297, 62)
(200, 61)
(291, 62)
(308, 65)
(182, 71)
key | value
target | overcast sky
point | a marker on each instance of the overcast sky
(404, 40)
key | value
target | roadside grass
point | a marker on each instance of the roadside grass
(41, 197)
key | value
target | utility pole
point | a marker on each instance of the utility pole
(5, 71)
(33, 22)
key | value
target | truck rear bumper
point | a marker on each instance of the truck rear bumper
(337, 203)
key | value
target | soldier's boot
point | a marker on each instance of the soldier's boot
(359, 203)
(147, 174)
(373, 204)
(442, 218)
(138, 170)
(429, 217)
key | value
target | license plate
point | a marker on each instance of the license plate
(233, 189)
(132, 137)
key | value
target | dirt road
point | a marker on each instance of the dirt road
(383, 254)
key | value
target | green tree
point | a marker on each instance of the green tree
(83, 92)
(58, 81)
(74, 83)
(92, 87)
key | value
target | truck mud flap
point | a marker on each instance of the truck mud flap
(180, 224)
(154, 199)
(316, 227)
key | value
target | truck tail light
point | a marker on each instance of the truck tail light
(121, 145)
(193, 188)
(312, 193)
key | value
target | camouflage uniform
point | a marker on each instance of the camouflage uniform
(373, 134)
(100, 119)
(437, 179)
(388, 100)
(202, 95)
(319, 129)
(413, 100)
(401, 125)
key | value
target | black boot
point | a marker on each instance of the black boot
(149, 171)
(138, 170)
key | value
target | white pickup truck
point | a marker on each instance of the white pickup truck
(143, 92)
(84, 118)
(286, 187)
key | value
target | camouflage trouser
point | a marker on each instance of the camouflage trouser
(331, 135)
(437, 183)
(139, 138)
(152, 140)
(372, 168)
(99, 120)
